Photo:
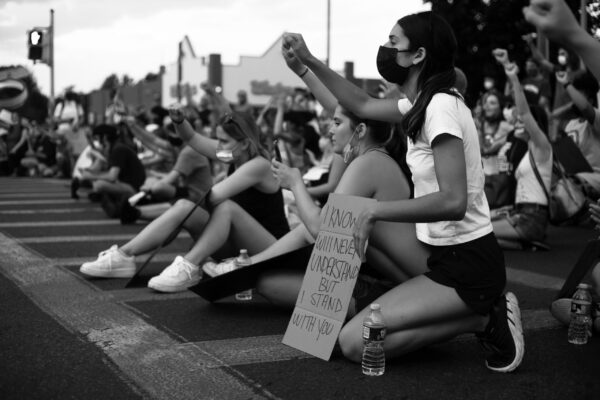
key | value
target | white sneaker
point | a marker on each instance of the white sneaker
(213, 269)
(111, 263)
(177, 277)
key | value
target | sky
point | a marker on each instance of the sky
(95, 38)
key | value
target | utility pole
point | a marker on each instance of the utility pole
(329, 31)
(179, 70)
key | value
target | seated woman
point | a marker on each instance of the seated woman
(190, 177)
(245, 210)
(527, 223)
(393, 251)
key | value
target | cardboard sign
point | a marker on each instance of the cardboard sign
(329, 280)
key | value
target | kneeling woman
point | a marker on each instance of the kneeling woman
(245, 210)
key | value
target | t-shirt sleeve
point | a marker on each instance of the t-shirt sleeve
(442, 116)
(187, 161)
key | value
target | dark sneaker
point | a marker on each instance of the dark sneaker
(503, 337)
(94, 197)
(129, 214)
(74, 188)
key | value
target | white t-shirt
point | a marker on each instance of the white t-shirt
(529, 189)
(447, 114)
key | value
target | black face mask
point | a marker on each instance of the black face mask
(388, 68)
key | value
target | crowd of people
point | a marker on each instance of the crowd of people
(454, 185)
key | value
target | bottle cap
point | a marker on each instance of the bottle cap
(375, 306)
(584, 286)
(243, 251)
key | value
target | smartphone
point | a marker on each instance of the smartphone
(276, 149)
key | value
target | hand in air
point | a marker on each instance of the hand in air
(291, 60)
(501, 55)
(176, 113)
(553, 18)
(511, 70)
(295, 42)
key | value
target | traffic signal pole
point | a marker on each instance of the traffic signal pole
(51, 65)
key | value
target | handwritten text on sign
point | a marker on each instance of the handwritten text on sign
(331, 273)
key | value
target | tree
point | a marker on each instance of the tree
(110, 83)
(482, 25)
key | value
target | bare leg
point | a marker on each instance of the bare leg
(418, 312)
(230, 222)
(158, 230)
(294, 239)
(152, 211)
(281, 287)
(397, 242)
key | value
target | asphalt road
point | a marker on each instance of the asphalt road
(64, 336)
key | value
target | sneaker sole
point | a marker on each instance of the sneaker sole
(171, 289)
(100, 273)
(516, 331)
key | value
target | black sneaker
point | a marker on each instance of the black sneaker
(503, 337)
(129, 214)
(94, 197)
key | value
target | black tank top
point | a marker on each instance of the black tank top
(266, 208)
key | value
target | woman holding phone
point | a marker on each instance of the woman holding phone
(245, 210)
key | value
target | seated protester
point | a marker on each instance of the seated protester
(394, 252)
(245, 210)
(189, 179)
(125, 172)
(585, 129)
(527, 223)
(40, 159)
(326, 173)
(371, 172)
(561, 307)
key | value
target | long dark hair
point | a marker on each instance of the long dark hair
(241, 128)
(434, 34)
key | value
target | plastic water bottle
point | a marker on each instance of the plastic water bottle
(373, 357)
(580, 327)
(242, 261)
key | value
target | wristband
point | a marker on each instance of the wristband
(178, 122)
(303, 73)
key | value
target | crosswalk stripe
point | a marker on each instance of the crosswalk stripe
(73, 261)
(37, 202)
(43, 224)
(47, 211)
(82, 238)
(43, 195)
(148, 356)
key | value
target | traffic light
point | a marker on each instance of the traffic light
(38, 42)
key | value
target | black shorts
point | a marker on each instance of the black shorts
(474, 269)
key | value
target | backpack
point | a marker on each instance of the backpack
(566, 200)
